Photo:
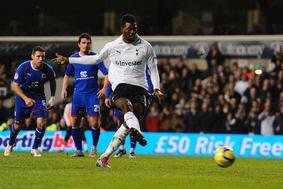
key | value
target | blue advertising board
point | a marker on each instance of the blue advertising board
(180, 144)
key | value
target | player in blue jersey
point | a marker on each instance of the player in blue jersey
(118, 118)
(86, 95)
(28, 84)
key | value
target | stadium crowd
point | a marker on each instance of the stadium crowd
(221, 99)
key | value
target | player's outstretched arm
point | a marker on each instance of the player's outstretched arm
(84, 60)
(60, 59)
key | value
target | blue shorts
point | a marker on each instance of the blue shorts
(83, 103)
(22, 112)
(118, 113)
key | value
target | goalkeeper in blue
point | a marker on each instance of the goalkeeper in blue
(85, 96)
(28, 85)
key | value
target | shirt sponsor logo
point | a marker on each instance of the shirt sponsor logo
(130, 63)
(83, 74)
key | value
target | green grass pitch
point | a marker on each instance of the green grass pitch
(59, 170)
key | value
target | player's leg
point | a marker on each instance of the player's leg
(118, 119)
(83, 124)
(77, 136)
(14, 131)
(39, 133)
(83, 129)
(21, 112)
(93, 120)
(133, 146)
(77, 112)
(95, 133)
(116, 141)
(139, 108)
(40, 114)
(131, 120)
(68, 135)
(122, 97)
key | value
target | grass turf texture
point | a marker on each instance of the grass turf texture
(59, 170)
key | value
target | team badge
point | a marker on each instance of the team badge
(16, 76)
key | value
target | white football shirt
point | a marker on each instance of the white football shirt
(127, 62)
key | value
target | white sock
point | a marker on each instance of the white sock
(116, 141)
(132, 150)
(132, 121)
(122, 147)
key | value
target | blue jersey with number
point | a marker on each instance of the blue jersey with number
(86, 79)
(32, 80)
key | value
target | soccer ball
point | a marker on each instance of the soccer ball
(224, 156)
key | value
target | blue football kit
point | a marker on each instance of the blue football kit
(31, 81)
(85, 97)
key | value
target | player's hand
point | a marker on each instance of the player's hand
(101, 93)
(64, 94)
(51, 102)
(29, 102)
(108, 103)
(60, 59)
(158, 94)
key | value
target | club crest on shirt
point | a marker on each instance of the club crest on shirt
(16, 76)
(43, 75)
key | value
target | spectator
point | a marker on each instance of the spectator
(277, 60)
(214, 58)
(204, 119)
(194, 72)
(278, 122)
(218, 123)
(191, 118)
(252, 123)
(266, 118)
(165, 119)
(152, 119)
(177, 120)
(241, 85)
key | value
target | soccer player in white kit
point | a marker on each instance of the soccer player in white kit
(129, 54)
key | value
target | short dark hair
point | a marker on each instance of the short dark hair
(127, 18)
(37, 48)
(84, 35)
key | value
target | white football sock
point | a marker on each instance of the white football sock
(132, 150)
(116, 141)
(122, 147)
(132, 121)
